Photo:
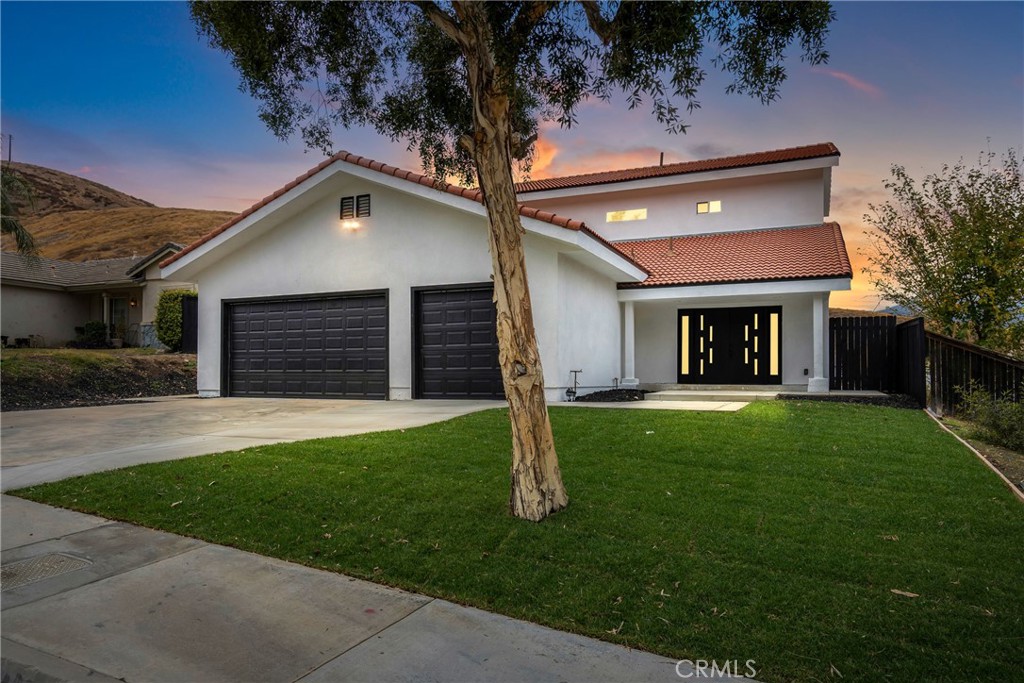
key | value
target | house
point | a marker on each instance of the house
(44, 300)
(362, 280)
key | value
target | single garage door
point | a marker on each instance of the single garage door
(456, 344)
(323, 347)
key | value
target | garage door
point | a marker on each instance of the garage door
(325, 347)
(456, 344)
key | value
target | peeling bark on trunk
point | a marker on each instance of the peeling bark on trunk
(537, 488)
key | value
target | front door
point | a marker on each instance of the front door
(119, 318)
(730, 345)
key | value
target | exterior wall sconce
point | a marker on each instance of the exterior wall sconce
(133, 302)
(350, 225)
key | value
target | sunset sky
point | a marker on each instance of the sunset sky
(128, 95)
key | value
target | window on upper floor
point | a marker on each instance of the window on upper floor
(709, 207)
(626, 215)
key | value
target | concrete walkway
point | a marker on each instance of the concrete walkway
(141, 605)
(85, 598)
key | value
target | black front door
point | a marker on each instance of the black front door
(730, 345)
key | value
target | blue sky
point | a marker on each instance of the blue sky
(128, 95)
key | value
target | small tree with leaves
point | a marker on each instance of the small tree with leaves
(467, 83)
(951, 248)
(11, 185)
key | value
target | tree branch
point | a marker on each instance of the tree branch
(602, 27)
(443, 21)
(529, 17)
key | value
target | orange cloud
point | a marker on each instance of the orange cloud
(544, 153)
(868, 89)
(596, 161)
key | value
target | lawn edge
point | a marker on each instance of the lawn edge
(1016, 491)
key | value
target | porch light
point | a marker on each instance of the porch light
(350, 225)
(133, 302)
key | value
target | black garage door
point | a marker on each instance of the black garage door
(324, 347)
(456, 344)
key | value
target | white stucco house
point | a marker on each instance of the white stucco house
(359, 279)
(43, 300)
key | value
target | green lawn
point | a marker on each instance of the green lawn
(776, 533)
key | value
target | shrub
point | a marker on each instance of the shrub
(93, 335)
(998, 419)
(168, 317)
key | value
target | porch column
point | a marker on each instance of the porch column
(628, 346)
(818, 383)
(106, 315)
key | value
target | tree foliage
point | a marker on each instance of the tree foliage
(393, 66)
(168, 317)
(11, 184)
(467, 85)
(951, 248)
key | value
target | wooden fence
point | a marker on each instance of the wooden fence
(189, 324)
(862, 351)
(877, 354)
(954, 365)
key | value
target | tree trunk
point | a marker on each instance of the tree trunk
(537, 488)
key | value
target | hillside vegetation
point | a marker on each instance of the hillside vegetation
(113, 233)
(76, 219)
(54, 191)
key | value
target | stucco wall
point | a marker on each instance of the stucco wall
(52, 314)
(589, 328)
(769, 201)
(657, 343)
(408, 242)
(151, 292)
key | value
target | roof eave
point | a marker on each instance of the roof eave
(808, 285)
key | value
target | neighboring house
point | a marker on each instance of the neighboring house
(362, 280)
(44, 300)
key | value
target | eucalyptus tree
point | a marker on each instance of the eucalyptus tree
(468, 83)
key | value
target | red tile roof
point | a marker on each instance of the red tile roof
(469, 193)
(824, 149)
(752, 256)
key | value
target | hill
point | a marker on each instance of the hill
(56, 191)
(113, 233)
(76, 219)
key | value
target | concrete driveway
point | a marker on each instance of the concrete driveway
(47, 445)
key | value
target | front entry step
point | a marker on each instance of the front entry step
(712, 395)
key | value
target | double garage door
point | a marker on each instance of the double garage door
(337, 346)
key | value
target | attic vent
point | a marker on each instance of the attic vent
(355, 207)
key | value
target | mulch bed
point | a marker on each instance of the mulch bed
(888, 400)
(613, 396)
(133, 377)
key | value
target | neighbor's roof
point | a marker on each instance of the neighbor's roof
(473, 194)
(44, 271)
(155, 255)
(750, 256)
(824, 149)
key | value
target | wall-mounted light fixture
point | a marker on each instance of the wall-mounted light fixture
(350, 225)
(133, 302)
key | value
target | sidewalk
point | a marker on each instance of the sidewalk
(145, 605)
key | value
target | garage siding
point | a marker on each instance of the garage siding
(323, 347)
